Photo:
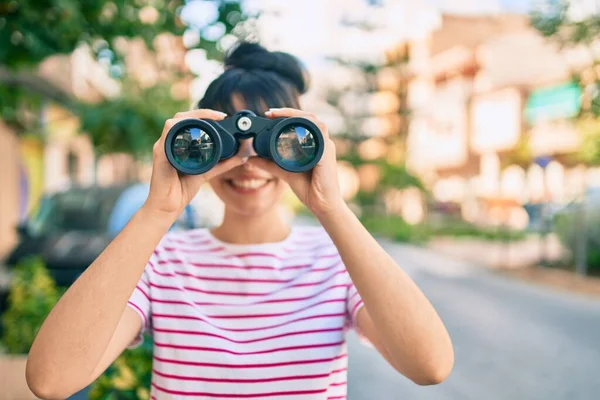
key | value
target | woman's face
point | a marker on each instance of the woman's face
(247, 190)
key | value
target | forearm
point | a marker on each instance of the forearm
(405, 322)
(78, 329)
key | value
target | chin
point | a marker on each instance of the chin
(249, 197)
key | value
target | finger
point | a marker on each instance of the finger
(292, 112)
(287, 112)
(180, 116)
(202, 113)
(198, 114)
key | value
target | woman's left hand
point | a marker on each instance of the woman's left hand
(318, 189)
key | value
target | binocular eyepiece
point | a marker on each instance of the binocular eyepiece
(194, 146)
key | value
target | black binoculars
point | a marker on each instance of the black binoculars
(194, 146)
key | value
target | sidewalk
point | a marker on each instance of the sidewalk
(557, 278)
(518, 260)
(500, 254)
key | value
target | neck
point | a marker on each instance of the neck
(266, 228)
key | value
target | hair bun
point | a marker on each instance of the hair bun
(253, 56)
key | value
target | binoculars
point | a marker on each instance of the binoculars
(194, 146)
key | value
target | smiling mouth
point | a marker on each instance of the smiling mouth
(248, 185)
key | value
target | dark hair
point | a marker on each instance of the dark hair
(262, 78)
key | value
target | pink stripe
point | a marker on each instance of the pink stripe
(344, 383)
(303, 298)
(335, 371)
(336, 398)
(330, 255)
(169, 316)
(224, 279)
(143, 292)
(285, 300)
(245, 267)
(241, 294)
(248, 353)
(197, 233)
(232, 266)
(201, 333)
(294, 267)
(355, 308)
(256, 254)
(245, 294)
(275, 256)
(262, 380)
(143, 314)
(237, 395)
(237, 280)
(194, 243)
(246, 316)
(194, 251)
(263, 365)
(353, 296)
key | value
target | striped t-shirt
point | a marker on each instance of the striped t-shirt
(264, 321)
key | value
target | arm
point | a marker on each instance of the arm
(77, 332)
(397, 317)
(91, 324)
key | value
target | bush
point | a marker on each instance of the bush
(462, 228)
(393, 227)
(32, 295)
(396, 228)
(567, 225)
(128, 378)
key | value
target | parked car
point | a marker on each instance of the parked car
(71, 228)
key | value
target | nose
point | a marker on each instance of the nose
(246, 148)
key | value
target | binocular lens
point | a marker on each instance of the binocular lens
(193, 148)
(296, 146)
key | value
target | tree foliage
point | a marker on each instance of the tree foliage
(554, 21)
(130, 123)
(31, 31)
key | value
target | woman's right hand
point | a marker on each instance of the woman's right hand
(170, 191)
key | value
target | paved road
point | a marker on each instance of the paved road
(512, 340)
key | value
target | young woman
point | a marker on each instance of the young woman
(254, 308)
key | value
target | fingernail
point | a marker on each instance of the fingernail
(244, 160)
(273, 109)
(222, 113)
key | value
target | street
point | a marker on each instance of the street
(511, 340)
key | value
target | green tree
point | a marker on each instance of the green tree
(31, 31)
(554, 21)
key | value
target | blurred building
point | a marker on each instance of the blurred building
(61, 156)
(491, 123)
(34, 164)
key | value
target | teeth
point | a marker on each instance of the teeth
(249, 183)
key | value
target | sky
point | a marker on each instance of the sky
(308, 28)
(482, 6)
